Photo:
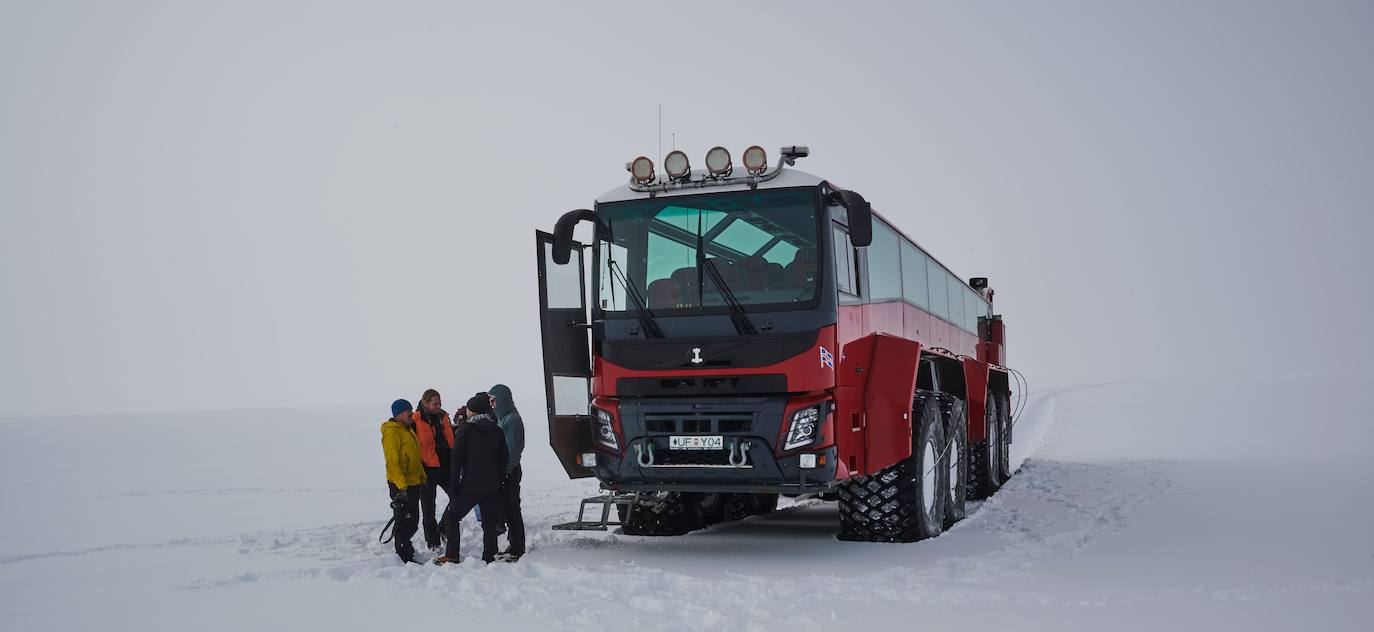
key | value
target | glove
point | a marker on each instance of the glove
(400, 499)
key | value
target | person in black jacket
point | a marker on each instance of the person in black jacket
(477, 467)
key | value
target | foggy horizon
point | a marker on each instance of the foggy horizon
(213, 207)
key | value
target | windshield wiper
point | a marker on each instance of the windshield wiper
(743, 325)
(646, 317)
(737, 314)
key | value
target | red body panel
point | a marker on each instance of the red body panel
(849, 325)
(995, 350)
(885, 318)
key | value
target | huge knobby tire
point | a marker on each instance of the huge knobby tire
(1004, 416)
(670, 513)
(904, 502)
(710, 508)
(740, 506)
(985, 457)
(955, 415)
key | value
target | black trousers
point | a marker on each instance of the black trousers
(428, 506)
(491, 521)
(510, 512)
(407, 523)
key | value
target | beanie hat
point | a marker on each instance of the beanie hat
(479, 404)
(400, 406)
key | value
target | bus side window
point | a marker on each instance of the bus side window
(882, 269)
(846, 273)
(955, 300)
(939, 289)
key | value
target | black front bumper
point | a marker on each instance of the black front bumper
(648, 423)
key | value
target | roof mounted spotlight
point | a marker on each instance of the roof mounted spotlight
(718, 162)
(755, 160)
(677, 166)
(791, 153)
(642, 170)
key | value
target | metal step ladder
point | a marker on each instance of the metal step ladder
(606, 501)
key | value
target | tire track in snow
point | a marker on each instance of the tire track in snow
(1052, 509)
(254, 542)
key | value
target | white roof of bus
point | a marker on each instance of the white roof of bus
(786, 178)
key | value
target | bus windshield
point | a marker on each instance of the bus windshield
(762, 245)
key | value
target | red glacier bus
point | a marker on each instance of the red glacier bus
(761, 331)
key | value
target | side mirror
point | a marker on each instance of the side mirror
(860, 217)
(563, 233)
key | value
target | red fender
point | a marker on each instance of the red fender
(976, 394)
(877, 379)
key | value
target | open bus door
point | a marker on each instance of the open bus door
(567, 356)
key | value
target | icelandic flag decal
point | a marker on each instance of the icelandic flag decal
(827, 359)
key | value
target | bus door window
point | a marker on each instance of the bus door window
(846, 268)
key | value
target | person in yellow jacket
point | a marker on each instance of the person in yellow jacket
(405, 476)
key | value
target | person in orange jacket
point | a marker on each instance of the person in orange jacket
(435, 435)
(405, 476)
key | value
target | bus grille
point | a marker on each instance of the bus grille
(698, 458)
(698, 423)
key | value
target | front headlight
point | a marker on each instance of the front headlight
(804, 429)
(605, 430)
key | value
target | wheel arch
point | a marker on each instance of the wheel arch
(999, 381)
(940, 373)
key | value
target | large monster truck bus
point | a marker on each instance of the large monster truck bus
(759, 332)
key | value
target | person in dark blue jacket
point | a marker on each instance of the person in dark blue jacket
(508, 418)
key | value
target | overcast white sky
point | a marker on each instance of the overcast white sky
(246, 204)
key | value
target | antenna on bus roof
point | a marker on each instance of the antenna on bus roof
(660, 129)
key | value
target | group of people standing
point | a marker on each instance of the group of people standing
(474, 457)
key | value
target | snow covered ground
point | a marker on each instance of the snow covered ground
(1238, 503)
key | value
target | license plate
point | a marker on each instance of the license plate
(696, 443)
